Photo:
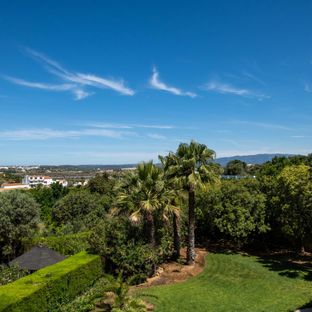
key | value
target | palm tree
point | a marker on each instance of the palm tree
(170, 200)
(140, 191)
(192, 164)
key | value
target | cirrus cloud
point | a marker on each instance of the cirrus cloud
(72, 81)
(225, 88)
(156, 83)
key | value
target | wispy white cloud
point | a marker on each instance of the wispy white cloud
(78, 92)
(261, 125)
(301, 136)
(95, 81)
(253, 77)
(129, 126)
(46, 133)
(74, 81)
(156, 126)
(46, 61)
(119, 157)
(156, 83)
(156, 136)
(40, 85)
(225, 88)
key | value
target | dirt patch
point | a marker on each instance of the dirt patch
(174, 272)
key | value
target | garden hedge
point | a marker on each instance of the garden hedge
(66, 245)
(47, 288)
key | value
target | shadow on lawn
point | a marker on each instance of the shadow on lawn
(288, 264)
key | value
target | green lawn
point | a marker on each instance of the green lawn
(236, 283)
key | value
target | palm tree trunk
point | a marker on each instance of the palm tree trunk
(191, 229)
(151, 228)
(302, 249)
(176, 237)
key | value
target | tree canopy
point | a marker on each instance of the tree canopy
(19, 217)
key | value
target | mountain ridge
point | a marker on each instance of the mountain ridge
(251, 159)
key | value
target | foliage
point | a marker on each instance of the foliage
(46, 197)
(295, 189)
(86, 301)
(19, 216)
(76, 206)
(233, 282)
(102, 184)
(122, 251)
(192, 165)
(47, 288)
(108, 293)
(122, 301)
(236, 209)
(10, 177)
(141, 193)
(241, 210)
(65, 244)
(235, 167)
(10, 274)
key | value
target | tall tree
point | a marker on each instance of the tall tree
(171, 209)
(295, 194)
(192, 164)
(235, 167)
(19, 217)
(140, 192)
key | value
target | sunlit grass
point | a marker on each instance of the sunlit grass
(233, 283)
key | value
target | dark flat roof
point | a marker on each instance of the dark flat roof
(37, 258)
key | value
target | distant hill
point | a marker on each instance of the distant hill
(89, 167)
(250, 159)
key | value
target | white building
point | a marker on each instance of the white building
(63, 182)
(13, 186)
(33, 181)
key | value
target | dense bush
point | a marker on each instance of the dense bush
(80, 208)
(114, 239)
(46, 197)
(107, 293)
(19, 216)
(102, 184)
(86, 301)
(66, 244)
(10, 274)
(235, 211)
(45, 289)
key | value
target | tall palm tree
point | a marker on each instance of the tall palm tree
(140, 191)
(171, 208)
(192, 164)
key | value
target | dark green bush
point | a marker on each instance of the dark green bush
(76, 206)
(19, 217)
(86, 301)
(45, 289)
(66, 244)
(10, 274)
(121, 252)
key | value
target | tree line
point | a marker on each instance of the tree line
(138, 219)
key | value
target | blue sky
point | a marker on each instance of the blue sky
(103, 82)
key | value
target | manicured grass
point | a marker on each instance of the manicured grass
(235, 283)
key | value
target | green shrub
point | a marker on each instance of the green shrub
(45, 289)
(10, 274)
(66, 244)
(86, 301)
(121, 253)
